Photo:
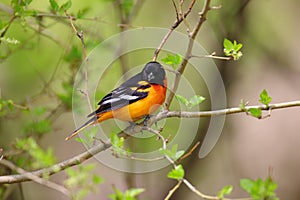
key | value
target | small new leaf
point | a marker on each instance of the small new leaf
(182, 100)
(173, 153)
(54, 5)
(196, 100)
(129, 194)
(172, 60)
(179, 154)
(176, 173)
(255, 112)
(65, 6)
(118, 145)
(242, 105)
(225, 191)
(260, 189)
(127, 6)
(265, 98)
(246, 184)
(227, 44)
(232, 49)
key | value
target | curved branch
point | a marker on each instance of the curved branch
(76, 160)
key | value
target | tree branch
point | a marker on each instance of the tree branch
(173, 27)
(188, 53)
(35, 178)
(76, 160)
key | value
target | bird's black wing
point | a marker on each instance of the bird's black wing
(129, 92)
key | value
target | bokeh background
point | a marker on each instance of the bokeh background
(38, 72)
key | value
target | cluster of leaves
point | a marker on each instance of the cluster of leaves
(174, 154)
(89, 136)
(190, 103)
(118, 145)
(127, 6)
(129, 194)
(55, 8)
(232, 49)
(5, 106)
(20, 8)
(81, 181)
(257, 112)
(41, 125)
(260, 189)
(33, 155)
(172, 60)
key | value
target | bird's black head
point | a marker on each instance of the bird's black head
(153, 72)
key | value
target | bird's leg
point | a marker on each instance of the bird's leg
(132, 125)
(146, 120)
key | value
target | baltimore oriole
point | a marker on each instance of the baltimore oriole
(138, 97)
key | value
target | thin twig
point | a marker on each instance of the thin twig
(176, 23)
(189, 152)
(211, 56)
(81, 37)
(171, 192)
(13, 17)
(192, 36)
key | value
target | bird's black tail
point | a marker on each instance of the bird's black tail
(86, 124)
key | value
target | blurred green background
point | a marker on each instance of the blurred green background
(38, 73)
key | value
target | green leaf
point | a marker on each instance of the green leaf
(232, 49)
(129, 194)
(182, 100)
(242, 105)
(196, 100)
(265, 98)
(246, 184)
(118, 144)
(172, 59)
(227, 44)
(38, 111)
(173, 153)
(38, 157)
(225, 191)
(65, 6)
(54, 5)
(40, 127)
(176, 173)
(81, 181)
(260, 189)
(127, 6)
(179, 154)
(81, 140)
(133, 192)
(97, 179)
(12, 41)
(80, 13)
(10, 104)
(255, 112)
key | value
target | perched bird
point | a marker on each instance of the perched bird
(136, 98)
